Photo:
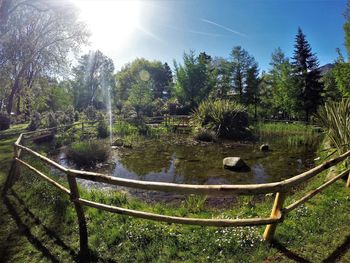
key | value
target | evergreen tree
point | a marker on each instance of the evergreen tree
(307, 75)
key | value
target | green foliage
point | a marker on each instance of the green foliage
(205, 135)
(140, 96)
(123, 128)
(244, 75)
(194, 80)
(331, 91)
(226, 118)
(141, 69)
(342, 75)
(93, 77)
(307, 75)
(284, 90)
(334, 117)
(102, 129)
(34, 121)
(4, 121)
(91, 113)
(87, 153)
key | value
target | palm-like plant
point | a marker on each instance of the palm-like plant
(226, 118)
(335, 118)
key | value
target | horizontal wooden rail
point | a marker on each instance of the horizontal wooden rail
(314, 192)
(180, 188)
(43, 176)
(43, 158)
(180, 220)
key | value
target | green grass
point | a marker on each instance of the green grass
(39, 225)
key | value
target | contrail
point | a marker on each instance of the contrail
(193, 31)
(223, 27)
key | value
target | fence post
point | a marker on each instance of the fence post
(348, 181)
(14, 171)
(276, 212)
(83, 235)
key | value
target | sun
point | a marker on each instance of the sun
(111, 22)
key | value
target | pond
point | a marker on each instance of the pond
(174, 159)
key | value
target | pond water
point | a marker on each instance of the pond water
(164, 161)
(174, 160)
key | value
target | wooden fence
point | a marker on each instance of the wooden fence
(278, 212)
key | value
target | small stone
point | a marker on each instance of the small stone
(264, 147)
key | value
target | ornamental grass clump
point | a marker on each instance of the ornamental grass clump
(226, 118)
(335, 118)
(88, 153)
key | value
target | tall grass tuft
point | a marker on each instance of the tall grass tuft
(335, 118)
(226, 118)
(87, 153)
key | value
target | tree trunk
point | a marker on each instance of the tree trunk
(11, 98)
(10, 101)
(18, 105)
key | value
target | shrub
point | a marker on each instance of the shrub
(90, 113)
(51, 120)
(226, 118)
(205, 135)
(102, 129)
(5, 121)
(88, 153)
(34, 121)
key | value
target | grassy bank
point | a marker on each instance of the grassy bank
(40, 226)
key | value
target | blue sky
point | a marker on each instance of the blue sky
(167, 28)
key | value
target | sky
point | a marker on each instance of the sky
(165, 29)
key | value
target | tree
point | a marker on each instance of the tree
(284, 91)
(222, 71)
(193, 79)
(93, 79)
(241, 63)
(341, 73)
(140, 96)
(37, 43)
(307, 74)
(252, 96)
(131, 74)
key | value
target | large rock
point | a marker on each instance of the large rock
(234, 163)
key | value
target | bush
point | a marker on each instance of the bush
(90, 113)
(5, 121)
(226, 118)
(102, 129)
(88, 153)
(34, 121)
(205, 135)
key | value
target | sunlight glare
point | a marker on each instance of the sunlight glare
(111, 23)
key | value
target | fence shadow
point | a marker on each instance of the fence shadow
(25, 219)
(333, 257)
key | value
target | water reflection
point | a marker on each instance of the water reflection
(162, 161)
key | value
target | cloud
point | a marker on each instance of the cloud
(223, 27)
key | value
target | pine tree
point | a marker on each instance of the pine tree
(307, 75)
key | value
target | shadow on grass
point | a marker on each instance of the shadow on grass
(335, 256)
(22, 216)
